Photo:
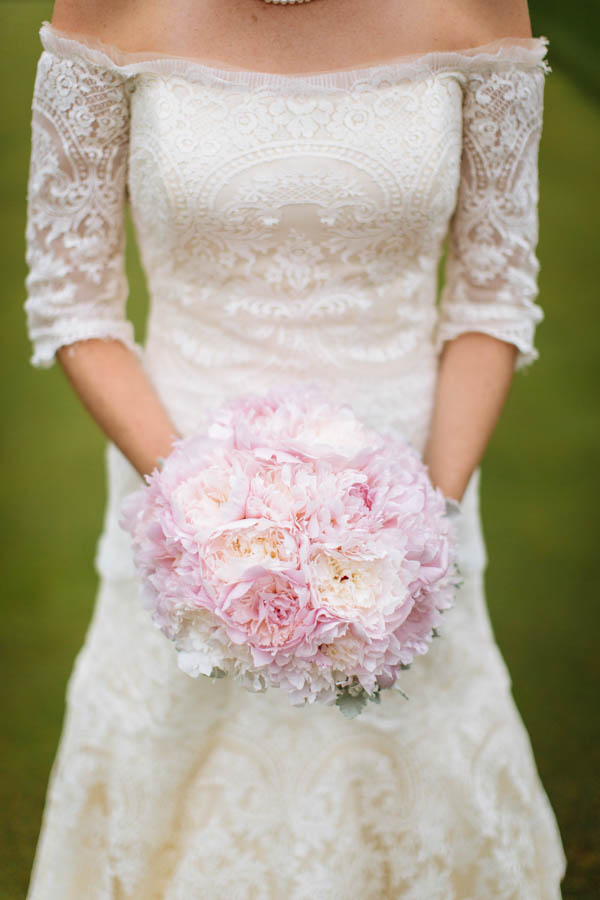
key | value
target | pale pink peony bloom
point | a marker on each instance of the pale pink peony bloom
(293, 546)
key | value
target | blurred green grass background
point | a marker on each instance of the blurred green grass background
(539, 479)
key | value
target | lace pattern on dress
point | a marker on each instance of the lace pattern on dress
(491, 270)
(79, 172)
(76, 284)
(504, 53)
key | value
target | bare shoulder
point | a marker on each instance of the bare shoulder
(102, 19)
(84, 15)
(488, 20)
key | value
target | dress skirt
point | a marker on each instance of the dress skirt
(167, 787)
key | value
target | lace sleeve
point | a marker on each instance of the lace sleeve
(492, 267)
(76, 284)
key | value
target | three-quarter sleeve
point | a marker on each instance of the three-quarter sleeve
(75, 237)
(491, 265)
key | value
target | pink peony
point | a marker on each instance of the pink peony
(292, 546)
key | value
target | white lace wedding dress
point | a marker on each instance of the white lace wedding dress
(290, 226)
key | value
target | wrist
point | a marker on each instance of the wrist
(154, 457)
(452, 488)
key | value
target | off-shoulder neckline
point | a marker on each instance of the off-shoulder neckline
(508, 51)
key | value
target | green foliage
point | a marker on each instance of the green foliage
(573, 31)
(539, 483)
(351, 699)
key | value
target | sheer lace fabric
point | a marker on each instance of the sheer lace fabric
(75, 238)
(290, 227)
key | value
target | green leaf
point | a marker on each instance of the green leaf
(351, 705)
(216, 672)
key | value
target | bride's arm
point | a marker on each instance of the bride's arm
(474, 378)
(488, 316)
(113, 387)
(76, 285)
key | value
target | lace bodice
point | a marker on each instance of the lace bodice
(289, 225)
(292, 221)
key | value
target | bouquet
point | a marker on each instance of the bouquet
(289, 545)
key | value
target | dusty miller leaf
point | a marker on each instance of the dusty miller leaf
(351, 705)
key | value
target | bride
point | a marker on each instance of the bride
(292, 170)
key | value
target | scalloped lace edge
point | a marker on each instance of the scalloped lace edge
(523, 52)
